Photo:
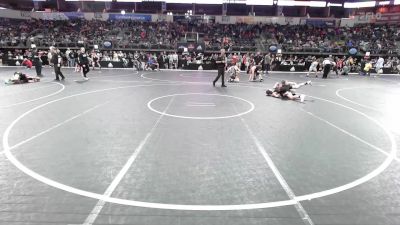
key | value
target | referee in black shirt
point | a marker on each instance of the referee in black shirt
(56, 59)
(221, 60)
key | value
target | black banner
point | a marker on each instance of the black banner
(190, 47)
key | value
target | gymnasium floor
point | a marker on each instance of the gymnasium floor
(167, 148)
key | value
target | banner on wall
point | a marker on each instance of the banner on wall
(346, 22)
(63, 16)
(180, 18)
(74, 15)
(363, 18)
(387, 18)
(245, 19)
(130, 16)
(98, 15)
(191, 47)
(226, 19)
(292, 20)
(26, 14)
(321, 23)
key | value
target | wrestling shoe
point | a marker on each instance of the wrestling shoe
(302, 97)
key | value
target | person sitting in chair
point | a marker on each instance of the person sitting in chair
(153, 64)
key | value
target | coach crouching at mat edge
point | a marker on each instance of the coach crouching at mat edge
(221, 63)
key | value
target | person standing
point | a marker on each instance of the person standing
(221, 62)
(84, 63)
(175, 60)
(56, 60)
(50, 56)
(235, 59)
(165, 60)
(334, 67)
(171, 61)
(327, 67)
(38, 63)
(95, 60)
(362, 68)
(143, 60)
(71, 59)
(136, 63)
(379, 65)
(258, 59)
(67, 53)
(313, 67)
(267, 63)
(76, 59)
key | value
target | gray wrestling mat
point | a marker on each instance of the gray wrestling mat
(168, 148)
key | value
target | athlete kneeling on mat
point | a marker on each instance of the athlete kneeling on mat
(255, 73)
(234, 73)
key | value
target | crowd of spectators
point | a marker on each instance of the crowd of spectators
(173, 60)
(353, 64)
(121, 34)
(377, 39)
(129, 34)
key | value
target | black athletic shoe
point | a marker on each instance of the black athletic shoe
(214, 83)
(56, 79)
(223, 85)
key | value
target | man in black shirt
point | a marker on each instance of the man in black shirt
(38, 63)
(160, 60)
(258, 59)
(221, 61)
(56, 59)
(83, 60)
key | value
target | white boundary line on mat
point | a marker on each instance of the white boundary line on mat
(8, 148)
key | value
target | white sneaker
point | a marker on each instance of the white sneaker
(309, 82)
(86, 78)
(302, 97)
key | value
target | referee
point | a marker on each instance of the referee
(221, 60)
(327, 67)
(56, 59)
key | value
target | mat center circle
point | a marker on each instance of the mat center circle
(200, 106)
